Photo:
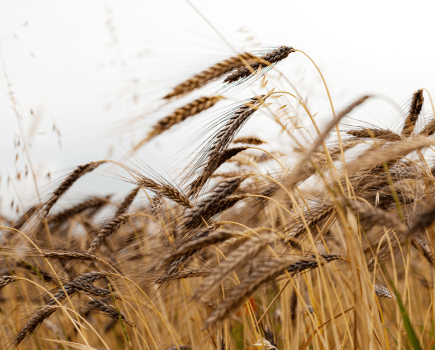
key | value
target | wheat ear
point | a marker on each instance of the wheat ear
(5, 280)
(166, 190)
(109, 311)
(91, 203)
(191, 273)
(123, 207)
(206, 76)
(250, 140)
(388, 153)
(414, 111)
(266, 60)
(429, 129)
(67, 183)
(225, 136)
(180, 115)
(205, 208)
(383, 292)
(197, 244)
(378, 216)
(108, 229)
(72, 256)
(375, 133)
(51, 306)
(225, 156)
(312, 218)
(35, 321)
(260, 276)
(235, 260)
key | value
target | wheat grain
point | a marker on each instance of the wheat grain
(312, 218)
(72, 287)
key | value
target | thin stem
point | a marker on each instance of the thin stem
(323, 79)
(211, 25)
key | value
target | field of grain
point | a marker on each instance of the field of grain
(323, 244)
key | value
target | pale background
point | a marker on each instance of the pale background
(88, 67)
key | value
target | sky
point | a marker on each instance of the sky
(85, 75)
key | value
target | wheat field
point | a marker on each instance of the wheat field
(326, 244)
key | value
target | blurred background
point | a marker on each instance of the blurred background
(83, 80)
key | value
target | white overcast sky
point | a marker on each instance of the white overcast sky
(78, 63)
